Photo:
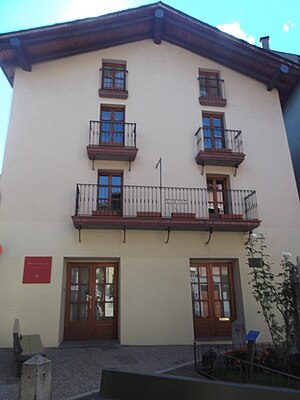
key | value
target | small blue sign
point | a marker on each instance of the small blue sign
(252, 336)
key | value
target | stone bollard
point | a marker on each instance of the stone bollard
(36, 379)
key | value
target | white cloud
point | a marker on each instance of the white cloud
(288, 25)
(235, 29)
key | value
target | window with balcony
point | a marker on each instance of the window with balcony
(213, 131)
(109, 199)
(216, 145)
(211, 89)
(217, 196)
(112, 126)
(112, 138)
(223, 202)
(113, 80)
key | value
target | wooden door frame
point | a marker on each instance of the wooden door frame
(211, 116)
(215, 191)
(91, 320)
(209, 265)
(112, 109)
(110, 173)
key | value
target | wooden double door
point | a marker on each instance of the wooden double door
(91, 310)
(212, 298)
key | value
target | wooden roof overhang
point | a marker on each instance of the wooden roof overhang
(156, 21)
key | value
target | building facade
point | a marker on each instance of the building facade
(138, 159)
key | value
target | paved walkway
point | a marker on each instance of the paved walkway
(77, 366)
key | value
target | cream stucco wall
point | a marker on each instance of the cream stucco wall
(46, 156)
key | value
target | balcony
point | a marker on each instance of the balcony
(212, 92)
(217, 146)
(112, 141)
(164, 208)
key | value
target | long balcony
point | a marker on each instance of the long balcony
(217, 146)
(162, 208)
(112, 141)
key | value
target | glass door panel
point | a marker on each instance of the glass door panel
(118, 127)
(104, 294)
(91, 302)
(79, 297)
(212, 298)
(110, 193)
(213, 131)
(216, 191)
(112, 126)
(199, 291)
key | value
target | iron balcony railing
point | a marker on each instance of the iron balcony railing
(113, 79)
(134, 201)
(217, 139)
(112, 133)
(212, 88)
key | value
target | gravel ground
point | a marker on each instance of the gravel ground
(77, 370)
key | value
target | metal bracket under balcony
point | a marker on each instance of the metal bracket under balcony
(164, 224)
(216, 146)
(112, 141)
(111, 153)
(163, 208)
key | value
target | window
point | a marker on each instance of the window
(110, 192)
(217, 196)
(213, 131)
(211, 89)
(113, 80)
(112, 126)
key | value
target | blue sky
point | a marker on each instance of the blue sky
(246, 19)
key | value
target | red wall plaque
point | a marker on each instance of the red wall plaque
(37, 270)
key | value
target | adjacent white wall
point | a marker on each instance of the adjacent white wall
(46, 156)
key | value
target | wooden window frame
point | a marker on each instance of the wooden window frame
(112, 109)
(211, 116)
(110, 211)
(215, 197)
(209, 98)
(114, 91)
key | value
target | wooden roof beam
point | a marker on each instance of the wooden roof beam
(158, 25)
(48, 37)
(16, 44)
(283, 69)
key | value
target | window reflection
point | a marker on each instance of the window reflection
(74, 275)
(217, 278)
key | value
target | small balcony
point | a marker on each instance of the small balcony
(164, 208)
(217, 146)
(211, 91)
(112, 141)
(113, 82)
